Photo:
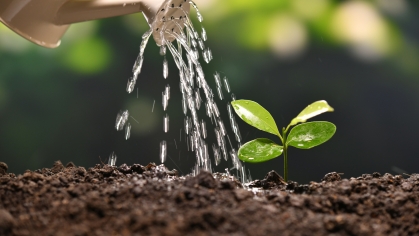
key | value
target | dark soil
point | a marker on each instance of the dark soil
(151, 200)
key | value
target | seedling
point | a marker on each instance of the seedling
(303, 136)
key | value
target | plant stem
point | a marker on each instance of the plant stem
(284, 134)
(285, 163)
(286, 130)
(280, 137)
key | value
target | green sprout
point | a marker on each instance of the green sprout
(303, 136)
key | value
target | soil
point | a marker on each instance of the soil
(151, 200)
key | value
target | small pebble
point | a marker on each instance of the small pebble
(6, 219)
(3, 168)
(332, 176)
(242, 194)
(406, 186)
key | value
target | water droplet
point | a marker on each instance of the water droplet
(222, 127)
(121, 119)
(209, 54)
(237, 134)
(163, 151)
(195, 34)
(162, 50)
(138, 65)
(192, 143)
(131, 85)
(208, 109)
(217, 156)
(186, 123)
(217, 79)
(127, 131)
(205, 56)
(196, 54)
(167, 91)
(233, 97)
(204, 34)
(223, 148)
(236, 162)
(145, 38)
(165, 68)
(201, 44)
(184, 105)
(229, 111)
(226, 84)
(198, 99)
(165, 101)
(194, 44)
(204, 129)
(199, 16)
(166, 123)
(220, 93)
(200, 71)
(112, 159)
(215, 109)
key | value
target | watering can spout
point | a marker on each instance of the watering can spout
(44, 22)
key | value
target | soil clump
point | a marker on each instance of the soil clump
(152, 200)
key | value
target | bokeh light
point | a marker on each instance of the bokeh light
(90, 55)
(12, 42)
(288, 36)
(396, 8)
(310, 9)
(358, 24)
(147, 119)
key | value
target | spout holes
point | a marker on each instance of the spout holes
(173, 29)
(180, 18)
(180, 5)
(172, 18)
(162, 9)
(173, 5)
(157, 29)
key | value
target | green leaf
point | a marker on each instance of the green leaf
(259, 150)
(311, 134)
(314, 109)
(255, 115)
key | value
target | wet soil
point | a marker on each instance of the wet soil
(152, 200)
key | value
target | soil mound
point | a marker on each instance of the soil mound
(152, 200)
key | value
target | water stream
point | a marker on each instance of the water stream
(189, 45)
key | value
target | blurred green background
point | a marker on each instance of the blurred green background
(360, 56)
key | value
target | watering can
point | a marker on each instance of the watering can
(44, 22)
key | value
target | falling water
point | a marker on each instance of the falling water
(163, 151)
(127, 131)
(139, 62)
(166, 123)
(189, 44)
(165, 68)
(121, 119)
(112, 159)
